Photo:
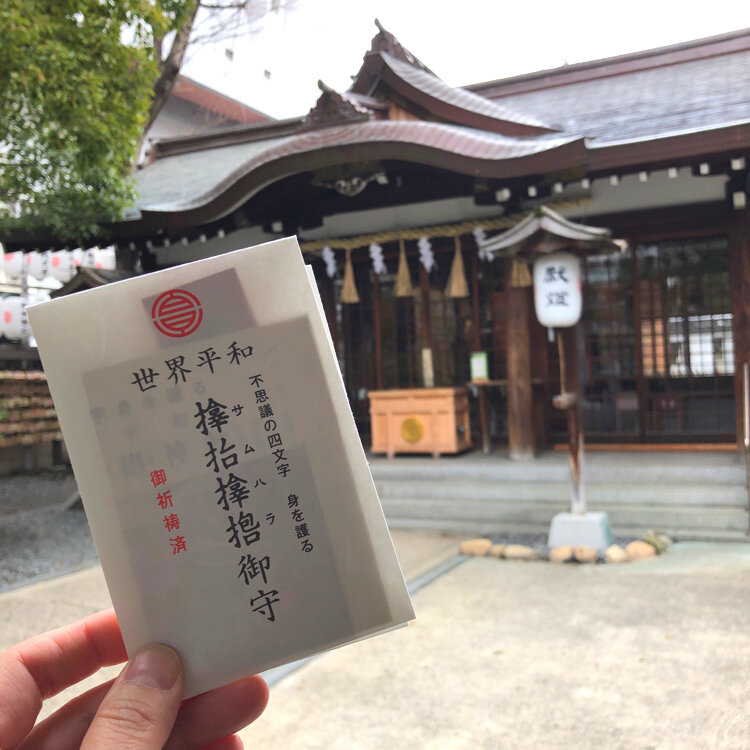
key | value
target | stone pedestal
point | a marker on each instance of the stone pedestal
(587, 530)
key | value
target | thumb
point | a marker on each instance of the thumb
(140, 709)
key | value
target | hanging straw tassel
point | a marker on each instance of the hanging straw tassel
(457, 286)
(349, 290)
(403, 277)
(519, 274)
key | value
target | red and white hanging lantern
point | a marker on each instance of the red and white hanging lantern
(104, 258)
(557, 290)
(14, 322)
(13, 265)
(37, 264)
(62, 266)
(88, 257)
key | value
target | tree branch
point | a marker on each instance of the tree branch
(169, 68)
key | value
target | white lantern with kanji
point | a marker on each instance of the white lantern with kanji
(13, 265)
(62, 266)
(37, 264)
(14, 321)
(557, 290)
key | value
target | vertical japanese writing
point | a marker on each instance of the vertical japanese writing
(233, 492)
(270, 425)
(556, 273)
(164, 500)
(300, 529)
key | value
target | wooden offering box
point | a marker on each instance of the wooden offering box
(420, 420)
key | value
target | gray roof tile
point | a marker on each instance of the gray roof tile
(688, 96)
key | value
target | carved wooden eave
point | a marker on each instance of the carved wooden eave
(90, 278)
(334, 108)
(546, 231)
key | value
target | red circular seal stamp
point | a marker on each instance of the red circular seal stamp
(177, 313)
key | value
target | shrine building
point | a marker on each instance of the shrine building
(397, 186)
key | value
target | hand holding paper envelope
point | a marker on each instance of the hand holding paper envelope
(219, 465)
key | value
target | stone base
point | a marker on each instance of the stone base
(589, 530)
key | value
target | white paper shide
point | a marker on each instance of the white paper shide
(219, 465)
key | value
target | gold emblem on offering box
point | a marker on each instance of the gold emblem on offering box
(412, 430)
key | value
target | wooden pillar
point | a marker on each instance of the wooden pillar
(376, 321)
(518, 302)
(424, 289)
(428, 378)
(476, 346)
(640, 379)
(570, 387)
(739, 290)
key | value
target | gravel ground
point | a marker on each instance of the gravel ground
(39, 537)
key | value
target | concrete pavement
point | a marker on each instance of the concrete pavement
(654, 654)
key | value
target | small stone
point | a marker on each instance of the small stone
(476, 547)
(640, 550)
(585, 554)
(659, 540)
(615, 554)
(519, 552)
(496, 550)
(560, 554)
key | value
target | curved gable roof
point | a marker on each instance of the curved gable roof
(203, 180)
(463, 107)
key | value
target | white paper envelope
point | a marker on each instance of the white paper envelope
(219, 464)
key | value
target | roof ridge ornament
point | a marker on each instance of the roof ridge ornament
(384, 41)
(334, 108)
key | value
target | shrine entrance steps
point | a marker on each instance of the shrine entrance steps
(699, 496)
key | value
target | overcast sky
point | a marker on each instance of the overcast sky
(276, 69)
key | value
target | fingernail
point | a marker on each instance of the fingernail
(154, 666)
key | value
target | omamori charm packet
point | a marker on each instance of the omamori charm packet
(219, 465)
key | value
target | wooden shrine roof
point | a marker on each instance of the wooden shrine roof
(650, 110)
(544, 221)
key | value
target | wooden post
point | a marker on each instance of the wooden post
(424, 289)
(640, 378)
(570, 400)
(739, 291)
(476, 346)
(520, 403)
(378, 332)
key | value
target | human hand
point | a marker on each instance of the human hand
(141, 709)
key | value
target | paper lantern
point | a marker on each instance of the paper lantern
(13, 265)
(14, 322)
(105, 259)
(557, 290)
(62, 266)
(78, 256)
(88, 257)
(37, 264)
